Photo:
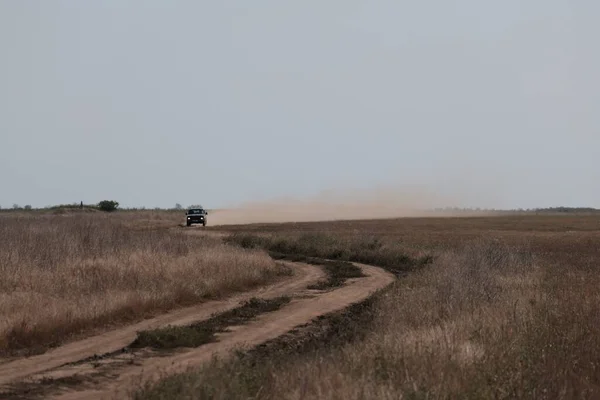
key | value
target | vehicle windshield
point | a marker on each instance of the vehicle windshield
(195, 211)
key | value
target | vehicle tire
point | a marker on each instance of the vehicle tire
(188, 224)
(204, 224)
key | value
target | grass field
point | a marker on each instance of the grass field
(66, 276)
(508, 307)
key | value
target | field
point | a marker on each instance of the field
(509, 308)
(69, 276)
(482, 307)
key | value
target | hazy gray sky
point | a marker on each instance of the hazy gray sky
(221, 102)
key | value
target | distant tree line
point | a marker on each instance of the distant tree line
(104, 205)
(568, 209)
(521, 210)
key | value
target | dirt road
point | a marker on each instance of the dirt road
(115, 375)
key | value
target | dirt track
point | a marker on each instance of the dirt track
(116, 375)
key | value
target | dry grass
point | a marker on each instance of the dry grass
(510, 308)
(469, 327)
(438, 334)
(64, 276)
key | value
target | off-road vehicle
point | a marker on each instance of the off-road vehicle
(196, 216)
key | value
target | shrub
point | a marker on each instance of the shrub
(108, 205)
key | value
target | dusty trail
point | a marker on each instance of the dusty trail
(116, 376)
(12, 371)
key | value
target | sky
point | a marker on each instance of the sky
(219, 103)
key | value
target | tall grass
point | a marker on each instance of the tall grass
(485, 320)
(67, 275)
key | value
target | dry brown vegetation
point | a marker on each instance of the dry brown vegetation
(509, 308)
(70, 275)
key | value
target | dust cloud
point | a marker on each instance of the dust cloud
(337, 206)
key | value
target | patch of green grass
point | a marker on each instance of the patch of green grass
(337, 271)
(40, 389)
(172, 337)
(204, 332)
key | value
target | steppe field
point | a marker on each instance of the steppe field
(131, 304)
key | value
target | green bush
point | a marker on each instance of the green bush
(108, 205)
